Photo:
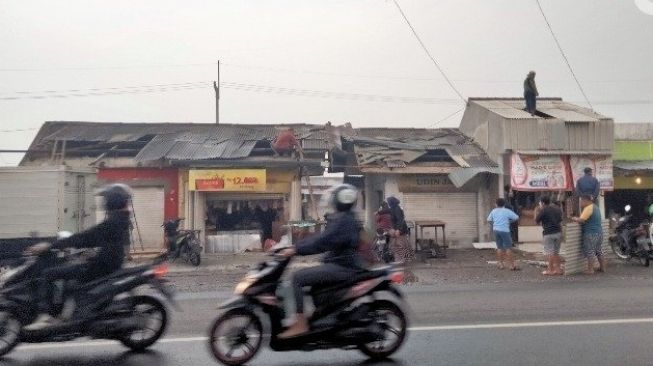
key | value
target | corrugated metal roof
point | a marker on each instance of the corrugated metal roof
(513, 108)
(633, 165)
(564, 152)
(567, 115)
(461, 176)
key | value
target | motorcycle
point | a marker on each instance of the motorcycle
(630, 240)
(382, 247)
(182, 244)
(137, 321)
(364, 313)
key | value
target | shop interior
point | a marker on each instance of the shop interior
(263, 215)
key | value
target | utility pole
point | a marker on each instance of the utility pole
(216, 87)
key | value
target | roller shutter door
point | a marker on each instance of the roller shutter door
(457, 210)
(148, 217)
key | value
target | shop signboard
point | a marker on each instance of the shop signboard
(227, 180)
(426, 183)
(601, 165)
(539, 172)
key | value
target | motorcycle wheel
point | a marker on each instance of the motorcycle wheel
(620, 249)
(9, 331)
(393, 321)
(236, 336)
(195, 259)
(153, 314)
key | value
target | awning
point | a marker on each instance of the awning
(633, 165)
(461, 176)
(564, 152)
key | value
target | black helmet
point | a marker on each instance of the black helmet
(344, 197)
(116, 196)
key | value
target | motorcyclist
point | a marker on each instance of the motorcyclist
(339, 241)
(109, 236)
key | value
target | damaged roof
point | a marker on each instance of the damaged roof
(514, 108)
(173, 141)
(403, 148)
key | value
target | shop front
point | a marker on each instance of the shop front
(533, 176)
(433, 197)
(238, 209)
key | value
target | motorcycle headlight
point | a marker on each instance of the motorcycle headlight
(244, 285)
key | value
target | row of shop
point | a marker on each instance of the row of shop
(227, 181)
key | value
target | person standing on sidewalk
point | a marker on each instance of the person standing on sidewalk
(399, 244)
(530, 93)
(550, 217)
(501, 217)
(590, 219)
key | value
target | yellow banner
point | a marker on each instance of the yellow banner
(232, 180)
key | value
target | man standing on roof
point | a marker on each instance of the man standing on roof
(530, 92)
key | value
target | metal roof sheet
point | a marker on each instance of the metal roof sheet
(633, 165)
(567, 115)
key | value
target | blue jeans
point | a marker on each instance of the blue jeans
(530, 102)
(503, 240)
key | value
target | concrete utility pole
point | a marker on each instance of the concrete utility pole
(216, 87)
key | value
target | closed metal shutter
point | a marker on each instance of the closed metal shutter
(147, 220)
(457, 210)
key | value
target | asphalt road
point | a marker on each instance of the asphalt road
(593, 322)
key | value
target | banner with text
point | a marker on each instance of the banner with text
(539, 173)
(601, 165)
(231, 180)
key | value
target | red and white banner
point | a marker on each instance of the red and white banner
(539, 173)
(601, 165)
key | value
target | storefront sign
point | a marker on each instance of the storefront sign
(234, 180)
(426, 183)
(601, 165)
(538, 172)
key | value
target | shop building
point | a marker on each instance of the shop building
(437, 174)
(541, 154)
(633, 170)
(234, 187)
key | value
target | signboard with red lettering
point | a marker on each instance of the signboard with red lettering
(539, 173)
(228, 180)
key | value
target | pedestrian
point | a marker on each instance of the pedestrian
(501, 217)
(383, 218)
(399, 245)
(530, 93)
(588, 185)
(550, 217)
(511, 204)
(265, 215)
(285, 143)
(592, 234)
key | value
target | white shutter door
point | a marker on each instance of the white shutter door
(457, 210)
(148, 218)
(148, 210)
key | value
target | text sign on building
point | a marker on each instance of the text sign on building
(538, 172)
(426, 183)
(601, 165)
(227, 180)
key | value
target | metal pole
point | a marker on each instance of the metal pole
(216, 87)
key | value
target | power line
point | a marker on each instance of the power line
(194, 83)
(83, 68)
(19, 130)
(429, 53)
(447, 117)
(563, 54)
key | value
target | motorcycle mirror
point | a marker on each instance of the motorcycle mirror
(64, 234)
(627, 208)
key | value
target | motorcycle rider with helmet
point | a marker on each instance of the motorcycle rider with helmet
(339, 241)
(109, 236)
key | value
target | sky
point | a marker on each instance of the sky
(311, 61)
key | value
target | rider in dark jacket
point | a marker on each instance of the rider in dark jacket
(110, 237)
(339, 241)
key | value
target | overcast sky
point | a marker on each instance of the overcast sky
(346, 53)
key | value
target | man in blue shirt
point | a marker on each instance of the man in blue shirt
(501, 217)
(588, 185)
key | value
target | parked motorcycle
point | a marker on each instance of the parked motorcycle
(382, 247)
(182, 244)
(137, 321)
(364, 313)
(632, 241)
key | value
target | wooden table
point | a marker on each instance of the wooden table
(435, 224)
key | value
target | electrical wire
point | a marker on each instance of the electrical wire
(428, 53)
(563, 54)
(447, 117)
